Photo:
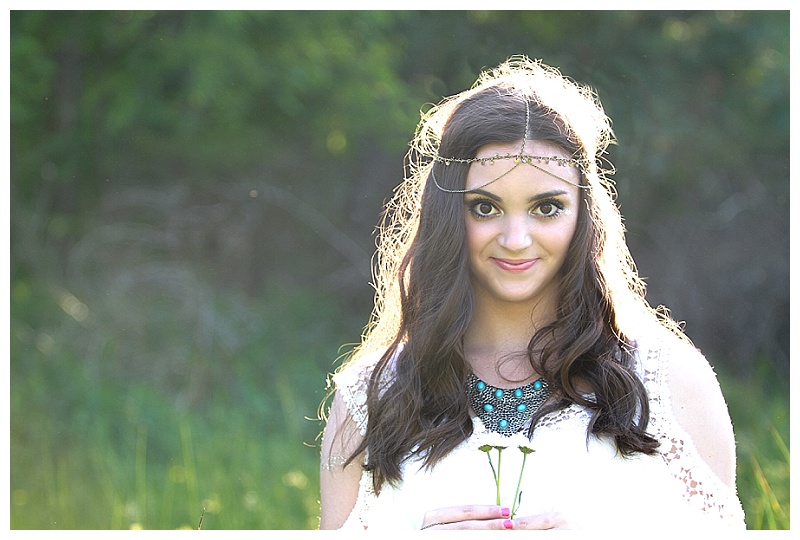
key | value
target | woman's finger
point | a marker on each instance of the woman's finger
(452, 516)
(484, 524)
(551, 520)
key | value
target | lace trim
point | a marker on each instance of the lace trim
(552, 421)
(334, 462)
(352, 384)
(358, 518)
(702, 486)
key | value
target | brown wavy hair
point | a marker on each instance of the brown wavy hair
(423, 305)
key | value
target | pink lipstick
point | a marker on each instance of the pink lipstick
(514, 265)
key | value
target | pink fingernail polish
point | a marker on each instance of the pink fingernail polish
(505, 512)
(508, 524)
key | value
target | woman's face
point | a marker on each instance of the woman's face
(519, 227)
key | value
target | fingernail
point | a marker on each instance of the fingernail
(505, 512)
(508, 524)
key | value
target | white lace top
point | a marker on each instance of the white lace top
(588, 481)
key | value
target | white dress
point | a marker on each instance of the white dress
(587, 481)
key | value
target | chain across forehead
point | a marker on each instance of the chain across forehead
(520, 158)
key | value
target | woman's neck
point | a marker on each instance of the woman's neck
(496, 344)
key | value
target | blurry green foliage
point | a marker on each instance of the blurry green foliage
(137, 96)
(323, 102)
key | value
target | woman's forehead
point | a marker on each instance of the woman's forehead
(540, 168)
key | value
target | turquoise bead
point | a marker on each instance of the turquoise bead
(488, 407)
(518, 392)
(481, 385)
(503, 424)
(537, 385)
(498, 393)
(521, 407)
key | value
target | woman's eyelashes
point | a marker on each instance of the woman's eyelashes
(550, 208)
(547, 208)
(483, 208)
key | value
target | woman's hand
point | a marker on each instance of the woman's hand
(489, 517)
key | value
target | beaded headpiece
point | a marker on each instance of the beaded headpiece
(519, 158)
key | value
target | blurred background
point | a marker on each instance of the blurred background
(193, 201)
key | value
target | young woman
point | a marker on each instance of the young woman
(513, 375)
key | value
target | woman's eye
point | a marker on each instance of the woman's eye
(483, 209)
(549, 209)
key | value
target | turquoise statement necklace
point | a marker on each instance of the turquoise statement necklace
(505, 411)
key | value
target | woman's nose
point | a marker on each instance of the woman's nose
(516, 234)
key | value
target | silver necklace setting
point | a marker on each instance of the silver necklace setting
(505, 411)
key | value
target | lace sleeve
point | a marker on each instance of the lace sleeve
(704, 491)
(352, 384)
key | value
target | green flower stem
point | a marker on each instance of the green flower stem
(494, 472)
(519, 484)
(497, 477)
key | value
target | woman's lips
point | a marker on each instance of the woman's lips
(514, 265)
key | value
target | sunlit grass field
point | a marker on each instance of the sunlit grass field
(760, 413)
(93, 449)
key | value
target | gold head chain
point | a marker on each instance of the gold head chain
(519, 158)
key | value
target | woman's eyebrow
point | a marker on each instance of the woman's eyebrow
(485, 193)
(537, 197)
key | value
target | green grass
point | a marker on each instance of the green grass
(96, 443)
(93, 447)
(141, 463)
(760, 413)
